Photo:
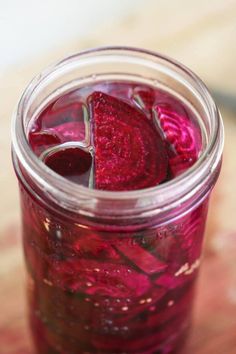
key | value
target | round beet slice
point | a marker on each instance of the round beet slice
(72, 163)
(129, 152)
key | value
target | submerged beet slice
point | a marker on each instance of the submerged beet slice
(129, 152)
(71, 163)
(183, 137)
(41, 141)
(142, 258)
(144, 97)
(98, 278)
(62, 121)
(92, 245)
(181, 134)
(71, 131)
(63, 110)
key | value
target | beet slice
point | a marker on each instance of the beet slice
(183, 138)
(170, 281)
(60, 122)
(142, 258)
(71, 163)
(181, 134)
(61, 111)
(45, 139)
(71, 131)
(144, 97)
(130, 153)
(92, 245)
(193, 231)
(162, 320)
(98, 278)
(41, 141)
(142, 306)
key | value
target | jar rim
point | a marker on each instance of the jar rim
(84, 200)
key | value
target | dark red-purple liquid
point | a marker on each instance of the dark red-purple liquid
(94, 289)
(123, 136)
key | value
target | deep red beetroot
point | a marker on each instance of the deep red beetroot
(148, 98)
(91, 245)
(104, 291)
(92, 277)
(145, 98)
(142, 136)
(41, 141)
(63, 120)
(183, 138)
(72, 163)
(70, 131)
(180, 133)
(130, 153)
(63, 110)
(142, 258)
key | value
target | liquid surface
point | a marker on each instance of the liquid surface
(117, 136)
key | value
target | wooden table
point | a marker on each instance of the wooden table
(202, 35)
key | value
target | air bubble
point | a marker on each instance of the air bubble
(59, 234)
(125, 308)
(171, 303)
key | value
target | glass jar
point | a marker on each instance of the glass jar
(113, 272)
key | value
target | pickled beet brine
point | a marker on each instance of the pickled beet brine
(98, 290)
(116, 137)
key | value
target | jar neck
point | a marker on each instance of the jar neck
(162, 202)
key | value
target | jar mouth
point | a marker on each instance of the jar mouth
(154, 199)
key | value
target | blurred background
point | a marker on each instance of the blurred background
(202, 35)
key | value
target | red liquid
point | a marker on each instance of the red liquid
(139, 137)
(100, 291)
